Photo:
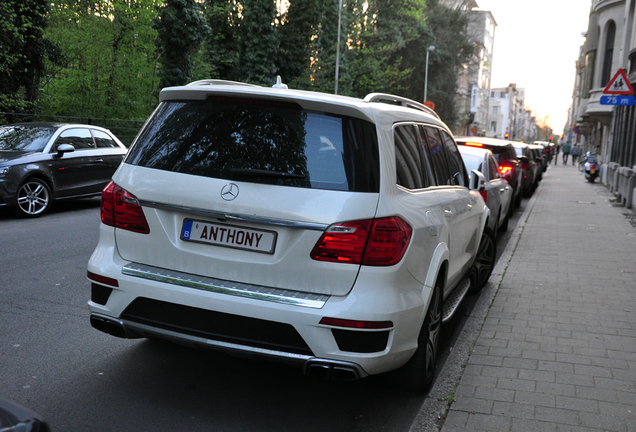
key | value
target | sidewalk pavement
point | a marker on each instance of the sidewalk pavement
(551, 342)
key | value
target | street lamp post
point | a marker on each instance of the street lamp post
(338, 45)
(428, 50)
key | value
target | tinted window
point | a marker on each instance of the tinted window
(19, 137)
(473, 162)
(262, 142)
(79, 138)
(455, 163)
(437, 156)
(103, 140)
(411, 167)
(494, 168)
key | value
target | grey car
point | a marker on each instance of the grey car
(44, 162)
(498, 193)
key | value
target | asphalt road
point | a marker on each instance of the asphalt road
(79, 379)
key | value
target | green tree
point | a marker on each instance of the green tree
(259, 41)
(446, 30)
(298, 31)
(23, 50)
(109, 62)
(221, 47)
(181, 29)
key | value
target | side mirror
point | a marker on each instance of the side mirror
(64, 148)
(477, 181)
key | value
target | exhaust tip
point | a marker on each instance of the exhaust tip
(110, 326)
(333, 371)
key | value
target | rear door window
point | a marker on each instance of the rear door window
(411, 165)
(455, 163)
(262, 142)
(437, 156)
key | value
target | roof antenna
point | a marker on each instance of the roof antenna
(279, 83)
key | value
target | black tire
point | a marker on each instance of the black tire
(591, 179)
(484, 262)
(418, 373)
(504, 224)
(34, 198)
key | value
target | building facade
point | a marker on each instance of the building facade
(474, 83)
(610, 45)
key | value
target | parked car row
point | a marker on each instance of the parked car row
(329, 232)
(522, 165)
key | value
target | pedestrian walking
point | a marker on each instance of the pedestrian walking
(556, 153)
(566, 152)
(576, 151)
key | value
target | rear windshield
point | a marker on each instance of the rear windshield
(262, 142)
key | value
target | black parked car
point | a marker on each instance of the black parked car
(43, 162)
(531, 168)
(506, 157)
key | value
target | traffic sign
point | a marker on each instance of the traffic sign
(617, 100)
(619, 85)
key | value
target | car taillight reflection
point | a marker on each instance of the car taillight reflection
(375, 242)
(120, 209)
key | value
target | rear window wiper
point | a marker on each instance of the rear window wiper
(265, 173)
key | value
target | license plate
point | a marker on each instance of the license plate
(592, 171)
(231, 236)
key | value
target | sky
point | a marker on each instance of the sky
(536, 46)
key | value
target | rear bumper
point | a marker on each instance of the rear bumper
(258, 321)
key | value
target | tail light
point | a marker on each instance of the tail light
(525, 166)
(592, 166)
(505, 169)
(121, 209)
(375, 242)
(474, 144)
(484, 195)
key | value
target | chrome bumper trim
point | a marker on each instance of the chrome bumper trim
(233, 216)
(256, 292)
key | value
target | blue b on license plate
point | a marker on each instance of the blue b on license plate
(229, 236)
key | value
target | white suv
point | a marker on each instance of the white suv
(319, 230)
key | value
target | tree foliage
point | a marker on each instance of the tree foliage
(117, 54)
(23, 50)
(181, 29)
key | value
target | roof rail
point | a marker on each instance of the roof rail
(401, 101)
(205, 82)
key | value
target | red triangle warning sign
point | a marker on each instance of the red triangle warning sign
(619, 85)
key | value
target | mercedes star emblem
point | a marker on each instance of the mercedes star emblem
(229, 192)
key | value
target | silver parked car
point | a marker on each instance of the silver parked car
(498, 193)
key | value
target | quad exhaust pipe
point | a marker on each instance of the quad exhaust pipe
(109, 325)
(333, 371)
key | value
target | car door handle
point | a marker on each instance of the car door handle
(448, 214)
(99, 160)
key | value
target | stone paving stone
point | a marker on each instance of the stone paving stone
(556, 415)
(535, 398)
(473, 405)
(532, 426)
(604, 422)
(494, 394)
(577, 404)
(514, 410)
(482, 422)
